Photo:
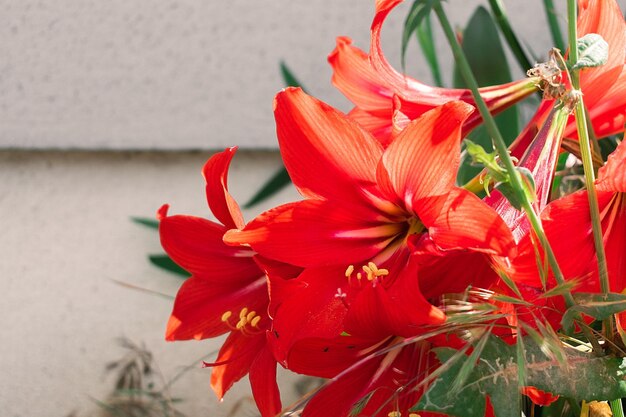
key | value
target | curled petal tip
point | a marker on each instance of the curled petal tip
(162, 212)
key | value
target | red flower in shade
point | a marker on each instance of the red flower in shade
(377, 89)
(227, 291)
(567, 224)
(363, 204)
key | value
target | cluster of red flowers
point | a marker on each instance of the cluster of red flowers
(350, 282)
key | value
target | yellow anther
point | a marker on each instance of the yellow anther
(255, 321)
(349, 271)
(394, 414)
(383, 272)
(359, 275)
(240, 324)
(243, 313)
(250, 315)
(367, 269)
(414, 415)
(373, 267)
(226, 315)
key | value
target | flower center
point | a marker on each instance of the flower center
(415, 226)
(248, 321)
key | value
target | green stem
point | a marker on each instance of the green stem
(555, 29)
(500, 145)
(617, 408)
(505, 27)
(585, 151)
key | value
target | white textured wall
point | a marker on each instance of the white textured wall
(66, 237)
(174, 74)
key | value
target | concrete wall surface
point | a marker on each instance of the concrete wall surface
(186, 74)
(67, 243)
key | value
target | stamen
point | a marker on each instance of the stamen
(349, 271)
(414, 415)
(394, 414)
(243, 313)
(226, 315)
(240, 324)
(255, 321)
(250, 315)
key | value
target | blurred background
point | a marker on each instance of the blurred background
(109, 110)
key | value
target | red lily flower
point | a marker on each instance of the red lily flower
(227, 291)
(363, 204)
(603, 87)
(371, 83)
(568, 226)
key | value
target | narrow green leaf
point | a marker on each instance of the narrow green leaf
(146, 221)
(553, 23)
(486, 57)
(419, 11)
(596, 305)
(278, 181)
(426, 40)
(289, 79)
(497, 8)
(165, 262)
(561, 289)
(593, 51)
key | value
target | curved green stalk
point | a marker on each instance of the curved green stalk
(585, 151)
(505, 27)
(500, 145)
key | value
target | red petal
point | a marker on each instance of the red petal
(538, 396)
(393, 306)
(325, 358)
(612, 176)
(379, 127)
(239, 352)
(468, 223)
(316, 233)
(220, 201)
(423, 160)
(264, 386)
(309, 310)
(196, 245)
(604, 18)
(327, 154)
(356, 79)
(201, 302)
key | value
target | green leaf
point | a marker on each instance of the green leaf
(486, 57)
(288, 78)
(426, 40)
(420, 10)
(278, 181)
(165, 262)
(553, 23)
(598, 306)
(497, 375)
(146, 221)
(593, 51)
(497, 8)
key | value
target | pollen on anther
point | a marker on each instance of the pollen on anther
(250, 315)
(349, 271)
(394, 414)
(243, 313)
(255, 321)
(226, 315)
(414, 415)
(240, 324)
